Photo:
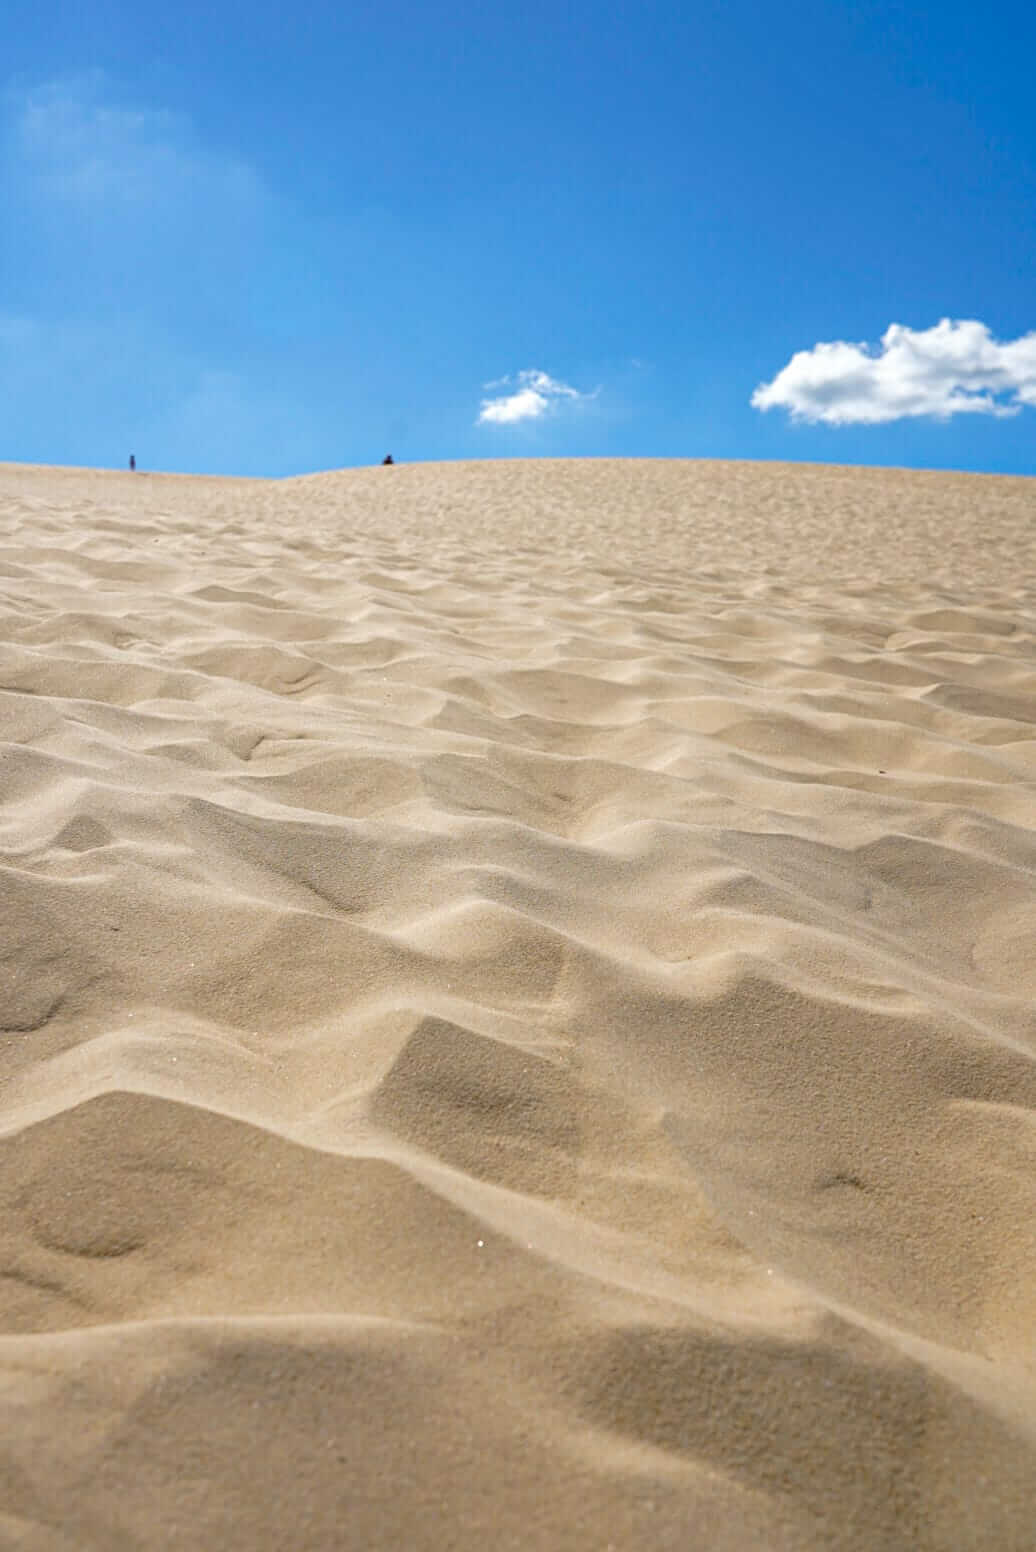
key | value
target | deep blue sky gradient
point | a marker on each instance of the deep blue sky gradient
(262, 239)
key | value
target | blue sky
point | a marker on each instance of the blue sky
(261, 239)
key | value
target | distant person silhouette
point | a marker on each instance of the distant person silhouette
(388, 458)
(133, 464)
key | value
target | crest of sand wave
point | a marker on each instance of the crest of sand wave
(516, 989)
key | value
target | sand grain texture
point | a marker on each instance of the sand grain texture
(516, 1009)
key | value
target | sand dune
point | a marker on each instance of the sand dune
(516, 1009)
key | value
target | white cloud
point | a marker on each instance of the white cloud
(534, 394)
(954, 368)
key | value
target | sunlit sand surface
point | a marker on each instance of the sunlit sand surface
(516, 1009)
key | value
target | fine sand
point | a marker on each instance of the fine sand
(516, 1009)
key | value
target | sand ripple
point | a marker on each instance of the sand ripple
(516, 1009)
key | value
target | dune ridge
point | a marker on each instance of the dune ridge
(516, 1008)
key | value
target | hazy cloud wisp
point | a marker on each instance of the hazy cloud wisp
(953, 368)
(78, 146)
(534, 393)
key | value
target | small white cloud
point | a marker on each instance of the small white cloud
(954, 368)
(534, 394)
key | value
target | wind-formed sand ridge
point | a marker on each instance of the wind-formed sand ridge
(516, 1008)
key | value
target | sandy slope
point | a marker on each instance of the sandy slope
(516, 1009)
